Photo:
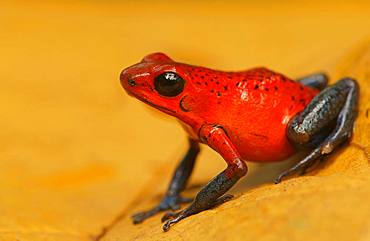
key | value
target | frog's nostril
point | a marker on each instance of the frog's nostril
(131, 82)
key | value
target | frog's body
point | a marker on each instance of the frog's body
(254, 108)
(254, 115)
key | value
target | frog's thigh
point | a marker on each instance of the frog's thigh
(336, 103)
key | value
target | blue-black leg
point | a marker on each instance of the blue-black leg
(213, 193)
(337, 103)
(172, 199)
(318, 81)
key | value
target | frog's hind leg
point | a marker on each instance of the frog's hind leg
(318, 81)
(336, 103)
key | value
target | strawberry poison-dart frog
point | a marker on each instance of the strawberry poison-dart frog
(254, 115)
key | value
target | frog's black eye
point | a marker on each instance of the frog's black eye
(169, 84)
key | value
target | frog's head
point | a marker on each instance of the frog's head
(158, 81)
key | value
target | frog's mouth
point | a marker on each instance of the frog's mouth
(146, 101)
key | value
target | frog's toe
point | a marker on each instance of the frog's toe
(138, 217)
(223, 199)
(310, 166)
(172, 218)
(173, 202)
(141, 216)
(301, 167)
(169, 215)
(286, 173)
(279, 178)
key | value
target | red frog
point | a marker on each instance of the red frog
(254, 115)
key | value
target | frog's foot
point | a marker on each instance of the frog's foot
(301, 166)
(168, 203)
(171, 217)
(335, 103)
(311, 166)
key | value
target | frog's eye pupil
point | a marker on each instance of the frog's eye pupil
(169, 84)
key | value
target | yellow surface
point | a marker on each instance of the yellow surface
(76, 152)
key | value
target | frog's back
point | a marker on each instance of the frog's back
(254, 107)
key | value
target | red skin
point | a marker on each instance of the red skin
(253, 106)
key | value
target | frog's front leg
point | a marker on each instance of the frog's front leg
(337, 103)
(212, 194)
(180, 177)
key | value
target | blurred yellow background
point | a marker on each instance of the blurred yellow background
(76, 151)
